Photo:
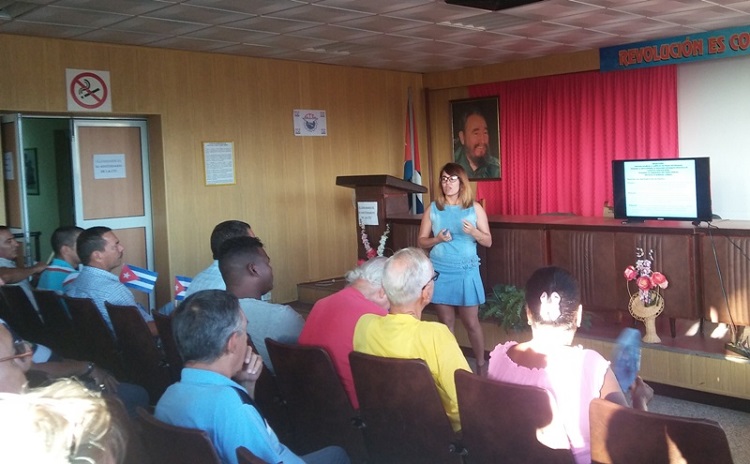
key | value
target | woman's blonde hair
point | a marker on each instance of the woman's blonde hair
(61, 423)
(465, 193)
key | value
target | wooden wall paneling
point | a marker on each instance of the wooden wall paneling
(590, 256)
(587, 60)
(732, 251)
(674, 256)
(285, 184)
(516, 252)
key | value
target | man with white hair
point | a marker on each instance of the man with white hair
(331, 322)
(408, 281)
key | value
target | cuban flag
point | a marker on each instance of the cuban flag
(181, 284)
(138, 278)
(412, 169)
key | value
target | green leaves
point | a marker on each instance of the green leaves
(506, 304)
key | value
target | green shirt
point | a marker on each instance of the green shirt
(489, 170)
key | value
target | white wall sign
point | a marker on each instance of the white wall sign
(367, 212)
(8, 163)
(109, 166)
(88, 90)
(218, 158)
(310, 123)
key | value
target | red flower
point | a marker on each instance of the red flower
(644, 283)
(630, 273)
(659, 279)
(371, 253)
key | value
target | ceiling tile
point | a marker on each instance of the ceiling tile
(196, 14)
(254, 7)
(383, 24)
(73, 17)
(129, 7)
(273, 25)
(121, 37)
(435, 12)
(157, 26)
(42, 29)
(229, 34)
(374, 7)
(186, 43)
(318, 13)
(550, 9)
(335, 33)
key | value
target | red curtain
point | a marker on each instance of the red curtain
(559, 135)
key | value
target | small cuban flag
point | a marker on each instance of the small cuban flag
(181, 284)
(138, 278)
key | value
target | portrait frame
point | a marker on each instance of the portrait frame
(489, 108)
(31, 168)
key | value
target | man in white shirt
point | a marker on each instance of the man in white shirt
(210, 278)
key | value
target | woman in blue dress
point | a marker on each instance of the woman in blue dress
(452, 225)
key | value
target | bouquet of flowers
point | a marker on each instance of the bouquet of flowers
(647, 280)
(369, 251)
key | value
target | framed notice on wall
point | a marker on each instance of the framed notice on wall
(218, 161)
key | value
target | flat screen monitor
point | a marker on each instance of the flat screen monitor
(677, 189)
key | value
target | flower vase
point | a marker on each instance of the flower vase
(647, 314)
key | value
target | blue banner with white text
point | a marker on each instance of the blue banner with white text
(722, 43)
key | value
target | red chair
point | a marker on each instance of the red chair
(499, 422)
(404, 419)
(94, 335)
(169, 444)
(319, 409)
(143, 361)
(624, 435)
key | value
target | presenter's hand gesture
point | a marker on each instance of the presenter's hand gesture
(445, 235)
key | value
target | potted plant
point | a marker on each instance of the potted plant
(507, 306)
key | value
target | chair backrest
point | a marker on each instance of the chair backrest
(499, 422)
(169, 444)
(144, 362)
(31, 326)
(58, 323)
(172, 354)
(404, 419)
(320, 411)
(94, 335)
(622, 435)
(245, 456)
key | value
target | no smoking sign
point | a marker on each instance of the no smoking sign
(88, 90)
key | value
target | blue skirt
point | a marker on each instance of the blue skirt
(458, 285)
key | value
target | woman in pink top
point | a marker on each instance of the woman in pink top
(573, 375)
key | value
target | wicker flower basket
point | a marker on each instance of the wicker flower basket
(647, 314)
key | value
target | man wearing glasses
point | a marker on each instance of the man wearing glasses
(15, 360)
(408, 281)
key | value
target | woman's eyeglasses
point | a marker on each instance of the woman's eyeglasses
(434, 278)
(22, 349)
(448, 179)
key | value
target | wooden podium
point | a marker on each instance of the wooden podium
(392, 197)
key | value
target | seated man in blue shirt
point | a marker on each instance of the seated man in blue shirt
(64, 267)
(101, 252)
(211, 335)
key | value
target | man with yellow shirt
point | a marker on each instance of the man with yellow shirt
(408, 280)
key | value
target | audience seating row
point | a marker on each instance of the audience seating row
(401, 418)
(74, 328)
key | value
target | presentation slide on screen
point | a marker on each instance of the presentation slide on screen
(661, 189)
